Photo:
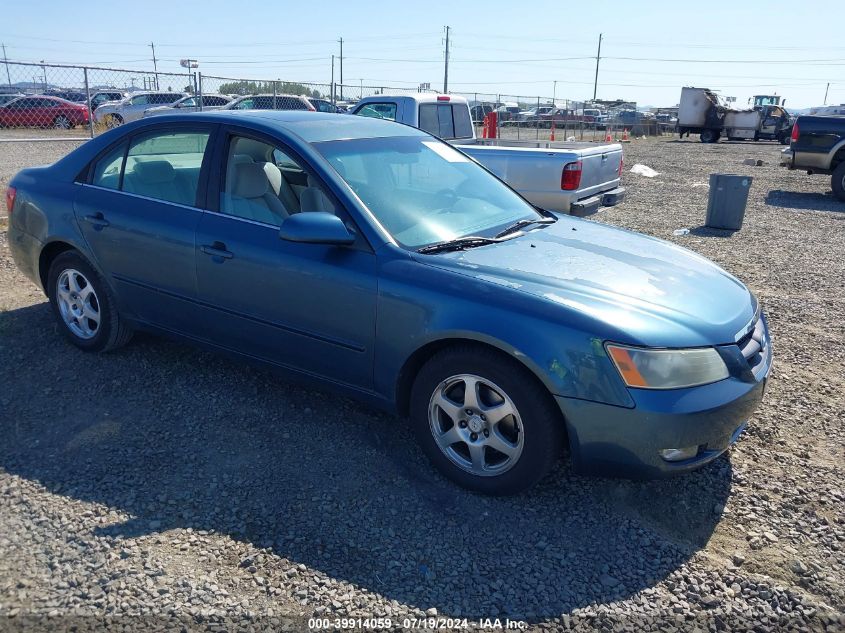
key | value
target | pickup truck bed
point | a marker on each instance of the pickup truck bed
(566, 177)
(536, 173)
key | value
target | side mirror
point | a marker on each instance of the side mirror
(315, 227)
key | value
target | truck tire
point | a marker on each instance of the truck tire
(837, 181)
(709, 136)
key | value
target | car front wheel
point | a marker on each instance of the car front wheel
(484, 421)
(84, 305)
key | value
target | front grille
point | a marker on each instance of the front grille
(755, 345)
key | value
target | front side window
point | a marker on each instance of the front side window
(265, 184)
(214, 101)
(165, 97)
(139, 100)
(424, 191)
(165, 166)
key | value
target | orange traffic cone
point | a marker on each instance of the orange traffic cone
(486, 127)
(552, 135)
(625, 138)
(608, 137)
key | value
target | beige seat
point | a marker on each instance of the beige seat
(251, 195)
(281, 187)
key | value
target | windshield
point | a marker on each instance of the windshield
(424, 191)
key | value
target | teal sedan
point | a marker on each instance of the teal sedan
(371, 258)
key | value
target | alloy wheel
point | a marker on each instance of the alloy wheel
(78, 304)
(476, 425)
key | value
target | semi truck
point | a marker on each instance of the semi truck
(700, 111)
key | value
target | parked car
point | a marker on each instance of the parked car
(102, 96)
(74, 96)
(568, 177)
(43, 111)
(479, 111)
(191, 104)
(507, 111)
(7, 97)
(371, 258)
(270, 102)
(323, 105)
(817, 145)
(132, 107)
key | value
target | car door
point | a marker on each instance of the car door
(138, 209)
(305, 306)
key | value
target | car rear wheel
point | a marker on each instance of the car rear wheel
(61, 122)
(484, 421)
(709, 136)
(84, 305)
(837, 181)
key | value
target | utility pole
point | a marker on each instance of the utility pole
(44, 69)
(332, 88)
(6, 61)
(155, 63)
(598, 58)
(825, 90)
(341, 69)
(446, 69)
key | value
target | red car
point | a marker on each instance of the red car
(43, 111)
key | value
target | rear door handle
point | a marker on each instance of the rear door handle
(97, 221)
(218, 249)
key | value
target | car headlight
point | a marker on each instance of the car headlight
(667, 368)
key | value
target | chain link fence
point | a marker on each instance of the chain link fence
(40, 101)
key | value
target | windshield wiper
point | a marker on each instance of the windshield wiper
(513, 228)
(470, 241)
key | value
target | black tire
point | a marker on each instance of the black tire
(709, 136)
(542, 425)
(837, 181)
(112, 331)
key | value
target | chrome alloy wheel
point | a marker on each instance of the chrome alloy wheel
(476, 425)
(78, 304)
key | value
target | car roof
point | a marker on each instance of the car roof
(312, 127)
(419, 97)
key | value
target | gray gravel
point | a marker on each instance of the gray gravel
(164, 485)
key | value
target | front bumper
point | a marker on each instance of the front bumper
(588, 206)
(619, 441)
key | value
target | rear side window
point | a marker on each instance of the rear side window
(165, 166)
(108, 168)
(165, 97)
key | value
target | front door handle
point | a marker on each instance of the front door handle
(218, 249)
(97, 221)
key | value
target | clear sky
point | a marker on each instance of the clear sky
(649, 50)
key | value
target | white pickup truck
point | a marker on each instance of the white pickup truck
(568, 177)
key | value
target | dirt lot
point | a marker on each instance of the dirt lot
(163, 485)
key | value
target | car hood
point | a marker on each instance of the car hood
(644, 290)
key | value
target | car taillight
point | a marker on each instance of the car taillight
(11, 192)
(570, 179)
(795, 133)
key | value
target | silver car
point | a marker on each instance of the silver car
(270, 102)
(132, 107)
(190, 104)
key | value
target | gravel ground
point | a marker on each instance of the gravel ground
(165, 486)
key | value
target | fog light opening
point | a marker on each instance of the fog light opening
(679, 454)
